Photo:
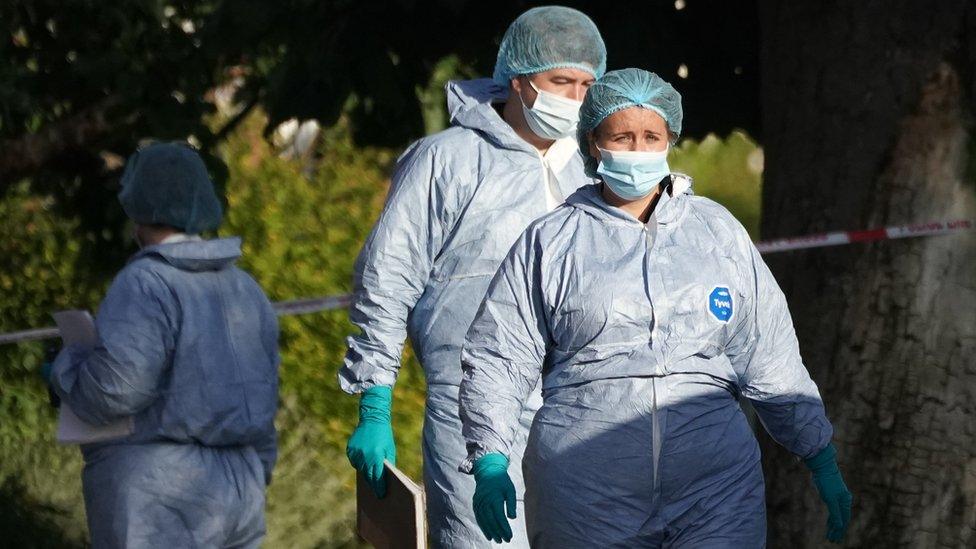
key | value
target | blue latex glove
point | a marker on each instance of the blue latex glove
(833, 491)
(372, 441)
(494, 492)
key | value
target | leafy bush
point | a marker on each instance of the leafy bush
(301, 235)
(46, 267)
(728, 171)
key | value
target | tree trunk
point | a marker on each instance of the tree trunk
(867, 121)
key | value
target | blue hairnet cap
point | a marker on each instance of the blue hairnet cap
(622, 89)
(168, 184)
(550, 37)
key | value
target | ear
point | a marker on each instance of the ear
(591, 142)
(139, 232)
(515, 86)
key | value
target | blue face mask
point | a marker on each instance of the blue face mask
(633, 174)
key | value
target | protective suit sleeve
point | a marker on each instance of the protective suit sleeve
(392, 271)
(503, 354)
(136, 337)
(267, 447)
(765, 354)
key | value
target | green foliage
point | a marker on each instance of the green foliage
(26, 522)
(301, 237)
(45, 269)
(81, 82)
(67, 55)
(728, 171)
(302, 231)
(433, 97)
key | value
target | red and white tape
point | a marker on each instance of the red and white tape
(838, 238)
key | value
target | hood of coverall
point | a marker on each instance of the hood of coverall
(196, 255)
(470, 105)
(590, 199)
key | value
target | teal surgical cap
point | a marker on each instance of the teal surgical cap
(168, 184)
(621, 89)
(550, 37)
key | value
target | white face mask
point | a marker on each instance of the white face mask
(551, 116)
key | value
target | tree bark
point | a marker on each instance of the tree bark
(867, 121)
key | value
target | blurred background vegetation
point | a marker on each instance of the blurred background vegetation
(302, 229)
(242, 81)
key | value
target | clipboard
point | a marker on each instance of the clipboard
(78, 328)
(399, 520)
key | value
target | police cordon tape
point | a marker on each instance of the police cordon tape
(283, 308)
(822, 240)
(838, 238)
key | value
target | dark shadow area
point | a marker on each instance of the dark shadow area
(589, 473)
(27, 523)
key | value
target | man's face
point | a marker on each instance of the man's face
(565, 82)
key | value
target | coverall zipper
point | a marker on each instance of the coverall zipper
(650, 232)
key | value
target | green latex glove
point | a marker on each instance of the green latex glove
(372, 441)
(494, 492)
(833, 491)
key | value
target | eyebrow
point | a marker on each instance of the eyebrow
(570, 78)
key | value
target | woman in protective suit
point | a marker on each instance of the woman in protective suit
(648, 314)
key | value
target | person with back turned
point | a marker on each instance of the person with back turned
(187, 348)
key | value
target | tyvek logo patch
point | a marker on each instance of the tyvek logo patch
(720, 303)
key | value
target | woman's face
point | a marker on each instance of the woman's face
(631, 129)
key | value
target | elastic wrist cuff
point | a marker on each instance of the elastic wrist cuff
(375, 404)
(824, 458)
(490, 462)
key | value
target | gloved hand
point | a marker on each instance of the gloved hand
(372, 441)
(50, 353)
(833, 491)
(494, 492)
(45, 372)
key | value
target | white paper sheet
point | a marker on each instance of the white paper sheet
(78, 328)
